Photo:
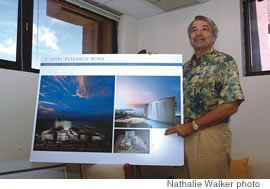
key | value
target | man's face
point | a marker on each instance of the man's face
(201, 36)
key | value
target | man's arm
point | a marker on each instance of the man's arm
(218, 114)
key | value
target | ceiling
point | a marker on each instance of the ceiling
(141, 8)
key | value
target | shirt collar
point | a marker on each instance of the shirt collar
(194, 58)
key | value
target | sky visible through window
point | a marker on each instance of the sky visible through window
(52, 36)
(8, 29)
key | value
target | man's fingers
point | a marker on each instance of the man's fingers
(170, 131)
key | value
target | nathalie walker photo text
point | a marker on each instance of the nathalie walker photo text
(212, 184)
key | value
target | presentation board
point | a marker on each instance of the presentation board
(109, 109)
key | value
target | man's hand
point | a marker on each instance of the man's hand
(181, 129)
(215, 116)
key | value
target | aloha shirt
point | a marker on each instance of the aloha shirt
(209, 81)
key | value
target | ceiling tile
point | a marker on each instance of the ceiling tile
(135, 8)
(144, 8)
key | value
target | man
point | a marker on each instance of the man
(212, 93)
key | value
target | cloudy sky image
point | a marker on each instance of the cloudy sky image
(76, 97)
(8, 30)
(50, 36)
(133, 92)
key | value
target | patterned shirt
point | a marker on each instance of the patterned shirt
(209, 81)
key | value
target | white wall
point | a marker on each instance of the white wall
(17, 103)
(127, 35)
(166, 33)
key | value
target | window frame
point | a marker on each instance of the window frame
(25, 31)
(24, 39)
(247, 41)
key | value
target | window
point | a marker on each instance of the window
(40, 27)
(14, 34)
(51, 35)
(257, 36)
(8, 30)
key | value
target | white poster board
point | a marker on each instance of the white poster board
(109, 109)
